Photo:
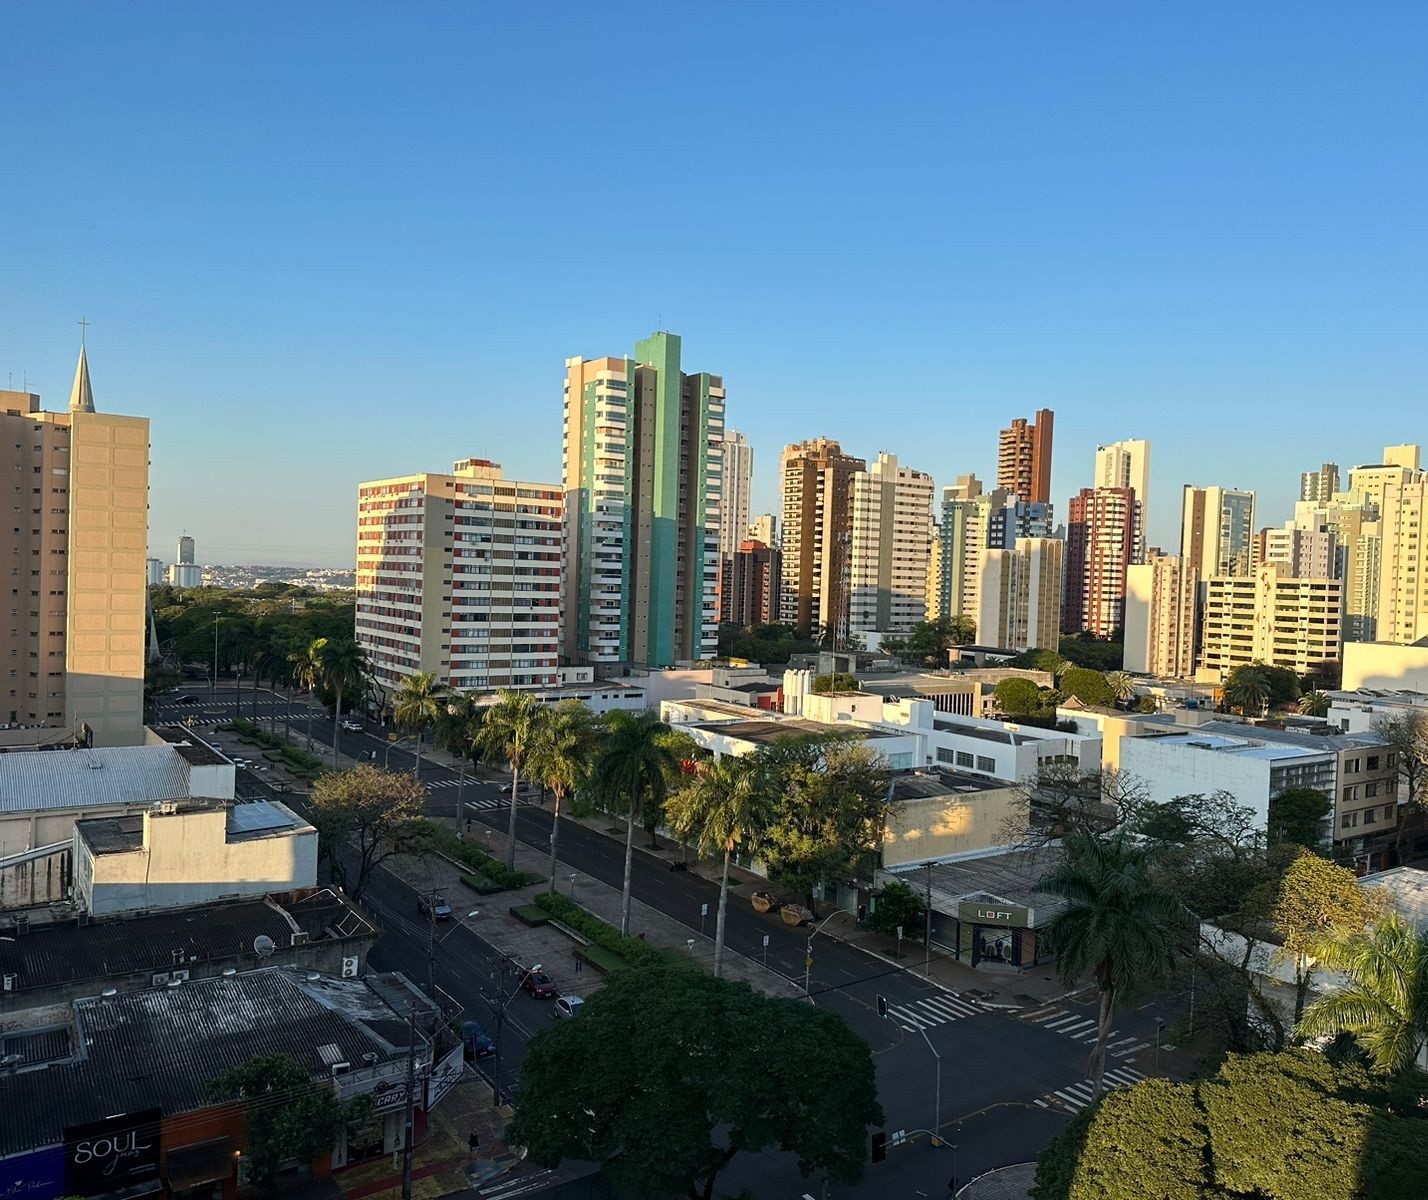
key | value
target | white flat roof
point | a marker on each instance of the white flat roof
(1241, 747)
(35, 780)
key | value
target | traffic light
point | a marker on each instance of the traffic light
(880, 1146)
(882, 1006)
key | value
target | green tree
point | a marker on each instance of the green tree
(632, 770)
(1088, 686)
(417, 706)
(1405, 737)
(1247, 689)
(1314, 704)
(669, 1074)
(458, 732)
(1018, 696)
(899, 907)
(1298, 815)
(560, 756)
(1318, 903)
(290, 1116)
(1087, 650)
(370, 807)
(509, 728)
(841, 681)
(830, 822)
(728, 808)
(1122, 687)
(1118, 925)
(341, 667)
(1385, 1004)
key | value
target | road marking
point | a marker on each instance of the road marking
(1042, 1014)
(1077, 1096)
(1112, 1047)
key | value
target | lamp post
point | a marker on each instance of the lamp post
(808, 955)
(937, 1081)
(504, 1003)
(213, 683)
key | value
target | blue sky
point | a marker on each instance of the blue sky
(320, 243)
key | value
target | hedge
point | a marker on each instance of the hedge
(496, 874)
(299, 760)
(633, 951)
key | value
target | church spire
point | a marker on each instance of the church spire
(81, 397)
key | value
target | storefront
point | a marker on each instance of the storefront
(992, 932)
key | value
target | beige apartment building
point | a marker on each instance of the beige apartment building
(1217, 534)
(459, 575)
(1160, 617)
(76, 546)
(1269, 617)
(1019, 600)
(891, 518)
(815, 534)
(1403, 562)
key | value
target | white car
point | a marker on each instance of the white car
(568, 1006)
(352, 726)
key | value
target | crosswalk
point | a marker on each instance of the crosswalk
(1082, 1028)
(1076, 1096)
(931, 1011)
(508, 1189)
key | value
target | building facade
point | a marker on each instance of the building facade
(459, 575)
(643, 481)
(815, 535)
(1126, 464)
(1102, 541)
(749, 589)
(73, 648)
(1217, 530)
(891, 511)
(1269, 617)
(1024, 457)
(1160, 618)
(1310, 553)
(969, 518)
(764, 528)
(737, 458)
(1317, 487)
(1019, 606)
(1402, 614)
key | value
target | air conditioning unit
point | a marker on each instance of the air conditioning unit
(178, 976)
(349, 967)
(300, 938)
(10, 982)
(340, 1069)
(159, 979)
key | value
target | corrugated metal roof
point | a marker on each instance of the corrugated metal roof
(103, 778)
(160, 1048)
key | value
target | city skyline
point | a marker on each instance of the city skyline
(1226, 271)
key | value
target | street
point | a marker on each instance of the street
(1009, 1079)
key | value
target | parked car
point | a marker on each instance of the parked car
(539, 985)
(429, 905)
(353, 726)
(525, 789)
(477, 1041)
(187, 700)
(568, 1006)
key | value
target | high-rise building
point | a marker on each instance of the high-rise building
(75, 640)
(459, 575)
(1024, 458)
(1319, 486)
(815, 535)
(1102, 541)
(1403, 562)
(156, 570)
(738, 479)
(1352, 519)
(1160, 617)
(763, 528)
(1399, 465)
(936, 585)
(1217, 532)
(1019, 597)
(891, 509)
(1307, 553)
(1270, 617)
(642, 460)
(972, 521)
(1127, 464)
(750, 586)
(185, 549)
(185, 575)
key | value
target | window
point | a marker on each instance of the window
(944, 756)
(986, 764)
(963, 759)
(1371, 789)
(1373, 762)
(1346, 821)
(1370, 815)
(1349, 794)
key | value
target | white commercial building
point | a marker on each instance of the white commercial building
(1019, 600)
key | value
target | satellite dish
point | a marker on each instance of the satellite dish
(263, 945)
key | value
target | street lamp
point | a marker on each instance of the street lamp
(572, 885)
(808, 956)
(937, 1081)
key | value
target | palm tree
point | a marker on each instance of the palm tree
(1385, 1005)
(1248, 689)
(339, 663)
(1122, 686)
(559, 757)
(1117, 924)
(729, 807)
(458, 731)
(632, 769)
(416, 707)
(1314, 704)
(508, 728)
(307, 670)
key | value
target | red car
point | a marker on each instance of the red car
(538, 984)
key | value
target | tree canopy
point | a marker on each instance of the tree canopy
(670, 1073)
(771, 645)
(370, 808)
(928, 642)
(1088, 686)
(839, 681)
(1298, 815)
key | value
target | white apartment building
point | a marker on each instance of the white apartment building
(1019, 601)
(1403, 561)
(1269, 617)
(1160, 618)
(734, 497)
(963, 533)
(1126, 464)
(1217, 533)
(1352, 518)
(459, 575)
(891, 516)
(1308, 553)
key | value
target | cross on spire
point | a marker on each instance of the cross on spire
(83, 330)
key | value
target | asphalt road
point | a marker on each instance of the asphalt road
(1008, 1082)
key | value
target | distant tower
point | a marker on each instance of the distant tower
(185, 549)
(1024, 458)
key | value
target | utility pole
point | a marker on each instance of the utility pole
(927, 938)
(409, 1121)
(431, 899)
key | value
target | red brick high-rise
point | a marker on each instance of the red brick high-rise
(1102, 535)
(1024, 458)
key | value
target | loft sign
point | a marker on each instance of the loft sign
(1017, 916)
(115, 1153)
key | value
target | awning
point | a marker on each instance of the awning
(203, 1162)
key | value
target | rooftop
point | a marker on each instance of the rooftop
(195, 751)
(69, 953)
(160, 1047)
(1243, 747)
(926, 785)
(1406, 889)
(766, 733)
(113, 777)
(1009, 877)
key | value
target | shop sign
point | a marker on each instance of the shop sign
(36, 1176)
(1016, 916)
(112, 1154)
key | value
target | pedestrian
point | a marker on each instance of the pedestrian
(473, 1143)
(468, 824)
(579, 965)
